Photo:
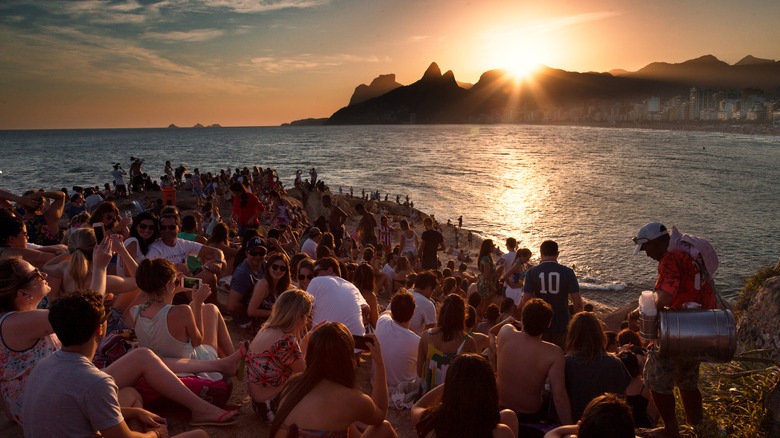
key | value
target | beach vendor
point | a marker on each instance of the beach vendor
(674, 289)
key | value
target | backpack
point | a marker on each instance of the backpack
(115, 345)
(705, 258)
(216, 392)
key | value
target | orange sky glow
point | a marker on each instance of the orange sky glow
(121, 64)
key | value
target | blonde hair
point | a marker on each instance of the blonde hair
(290, 306)
(81, 242)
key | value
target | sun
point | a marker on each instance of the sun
(521, 62)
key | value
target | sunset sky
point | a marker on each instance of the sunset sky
(119, 64)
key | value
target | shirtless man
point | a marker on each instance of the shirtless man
(523, 392)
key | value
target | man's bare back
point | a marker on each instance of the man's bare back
(525, 363)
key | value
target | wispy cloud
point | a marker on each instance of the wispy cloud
(188, 36)
(251, 6)
(562, 22)
(308, 61)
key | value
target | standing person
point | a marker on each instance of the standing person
(336, 219)
(246, 208)
(431, 242)
(507, 259)
(676, 286)
(136, 175)
(313, 175)
(119, 180)
(460, 221)
(487, 280)
(366, 227)
(409, 242)
(469, 238)
(515, 275)
(553, 283)
(385, 232)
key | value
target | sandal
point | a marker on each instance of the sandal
(244, 348)
(218, 422)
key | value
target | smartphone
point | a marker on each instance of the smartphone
(190, 282)
(100, 232)
(129, 214)
(361, 342)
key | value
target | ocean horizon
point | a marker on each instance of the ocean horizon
(589, 188)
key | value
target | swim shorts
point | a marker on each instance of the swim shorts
(662, 375)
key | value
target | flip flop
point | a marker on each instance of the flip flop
(218, 422)
(244, 348)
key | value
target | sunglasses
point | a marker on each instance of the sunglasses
(169, 227)
(279, 267)
(36, 273)
(305, 277)
(257, 253)
(146, 227)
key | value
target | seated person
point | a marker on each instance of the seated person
(590, 370)
(541, 361)
(606, 416)
(87, 400)
(400, 345)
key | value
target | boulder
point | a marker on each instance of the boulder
(759, 326)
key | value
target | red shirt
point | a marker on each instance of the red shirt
(677, 277)
(242, 214)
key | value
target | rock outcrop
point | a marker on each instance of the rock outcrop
(759, 326)
(380, 85)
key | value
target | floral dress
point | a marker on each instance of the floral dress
(16, 366)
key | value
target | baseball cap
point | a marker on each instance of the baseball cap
(254, 243)
(314, 232)
(649, 232)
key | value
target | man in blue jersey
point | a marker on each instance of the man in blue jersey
(553, 283)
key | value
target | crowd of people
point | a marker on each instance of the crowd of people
(508, 351)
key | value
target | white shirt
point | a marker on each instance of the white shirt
(424, 313)
(310, 248)
(388, 270)
(177, 253)
(399, 350)
(337, 300)
(506, 260)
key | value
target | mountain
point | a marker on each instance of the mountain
(429, 100)
(439, 98)
(379, 86)
(709, 71)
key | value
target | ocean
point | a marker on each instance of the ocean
(588, 188)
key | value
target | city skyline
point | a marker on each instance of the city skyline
(96, 64)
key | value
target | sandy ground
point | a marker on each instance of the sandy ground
(248, 424)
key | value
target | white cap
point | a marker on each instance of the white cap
(649, 232)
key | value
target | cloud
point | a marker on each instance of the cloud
(252, 6)
(308, 61)
(562, 22)
(189, 36)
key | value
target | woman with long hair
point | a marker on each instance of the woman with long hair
(322, 401)
(26, 336)
(466, 405)
(305, 273)
(275, 281)
(409, 241)
(194, 331)
(246, 208)
(514, 277)
(76, 273)
(274, 354)
(590, 369)
(487, 280)
(440, 345)
(363, 279)
(144, 232)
